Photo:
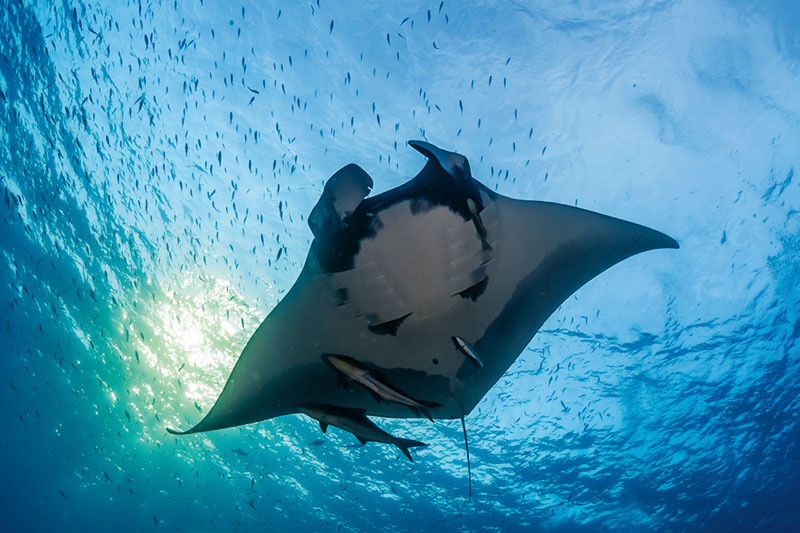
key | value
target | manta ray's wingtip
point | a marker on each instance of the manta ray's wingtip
(189, 431)
(642, 238)
(660, 240)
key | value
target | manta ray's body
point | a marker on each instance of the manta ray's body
(415, 302)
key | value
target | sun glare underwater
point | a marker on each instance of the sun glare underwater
(158, 164)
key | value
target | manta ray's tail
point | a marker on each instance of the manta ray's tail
(405, 444)
(469, 466)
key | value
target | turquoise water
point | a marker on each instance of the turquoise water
(158, 160)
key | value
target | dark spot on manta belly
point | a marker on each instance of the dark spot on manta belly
(342, 296)
(388, 328)
(474, 292)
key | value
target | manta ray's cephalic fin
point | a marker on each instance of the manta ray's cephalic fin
(456, 165)
(340, 197)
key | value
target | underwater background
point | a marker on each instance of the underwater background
(158, 160)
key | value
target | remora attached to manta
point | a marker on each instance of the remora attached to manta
(414, 302)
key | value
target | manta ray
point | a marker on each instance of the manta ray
(412, 303)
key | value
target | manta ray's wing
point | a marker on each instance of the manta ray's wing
(553, 250)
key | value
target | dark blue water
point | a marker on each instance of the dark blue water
(156, 157)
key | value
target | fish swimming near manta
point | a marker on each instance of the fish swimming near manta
(413, 303)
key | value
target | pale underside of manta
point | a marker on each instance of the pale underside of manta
(414, 302)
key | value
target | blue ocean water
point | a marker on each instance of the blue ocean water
(157, 163)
